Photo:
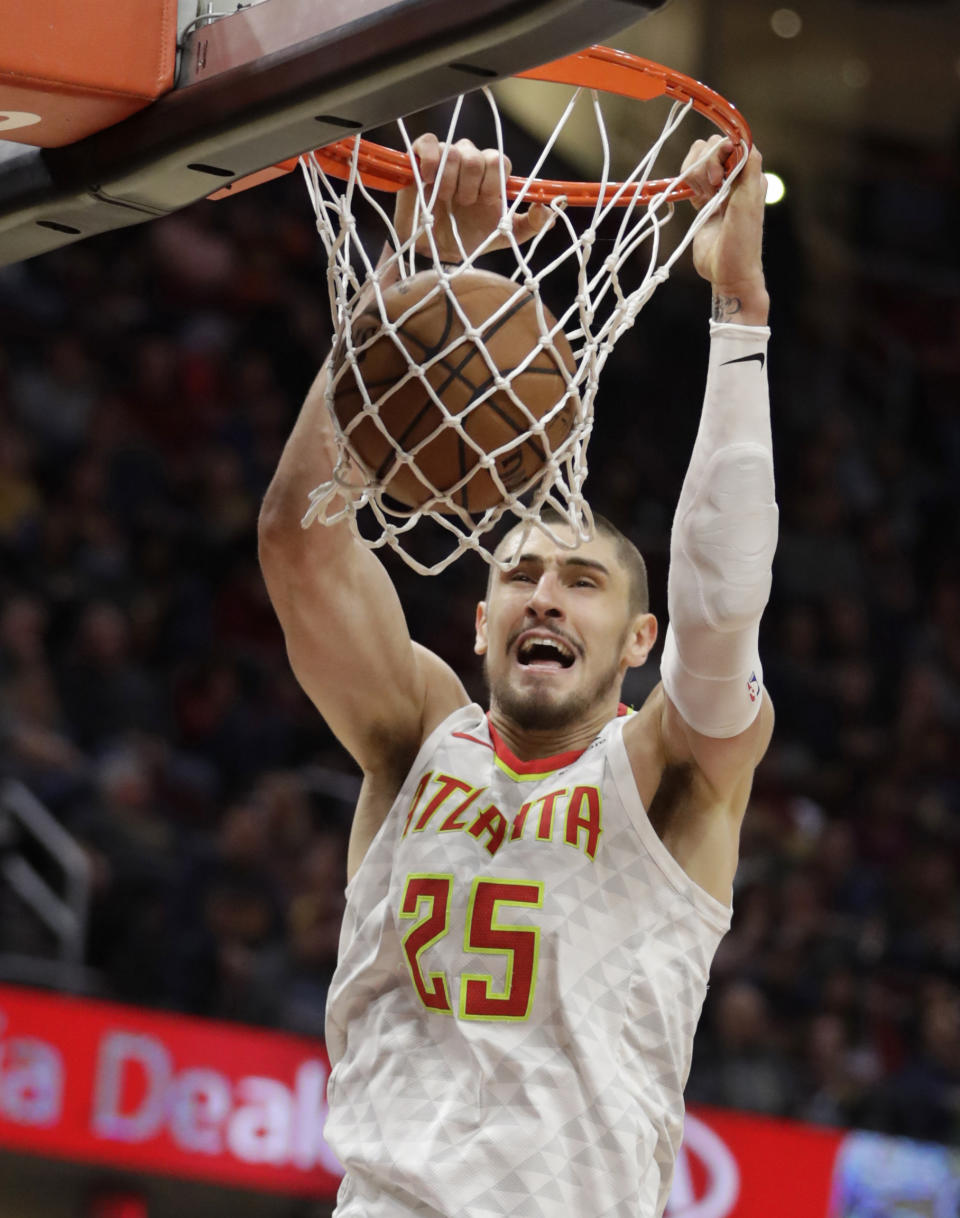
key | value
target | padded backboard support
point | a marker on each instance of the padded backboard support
(68, 69)
(275, 80)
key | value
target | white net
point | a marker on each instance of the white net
(542, 458)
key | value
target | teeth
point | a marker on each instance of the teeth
(559, 647)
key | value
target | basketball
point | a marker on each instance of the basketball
(460, 377)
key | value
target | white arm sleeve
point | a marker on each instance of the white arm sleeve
(722, 545)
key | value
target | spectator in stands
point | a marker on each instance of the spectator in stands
(226, 913)
(745, 1065)
(922, 1100)
(33, 736)
(105, 691)
(135, 854)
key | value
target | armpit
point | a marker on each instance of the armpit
(673, 794)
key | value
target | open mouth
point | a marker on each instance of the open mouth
(540, 651)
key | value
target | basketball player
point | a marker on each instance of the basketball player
(535, 893)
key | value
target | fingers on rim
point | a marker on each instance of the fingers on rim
(537, 217)
(427, 151)
(708, 177)
(472, 170)
(468, 172)
(699, 150)
(449, 174)
(490, 186)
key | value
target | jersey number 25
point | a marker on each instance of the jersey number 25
(426, 898)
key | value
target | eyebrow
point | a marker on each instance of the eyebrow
(572, 561)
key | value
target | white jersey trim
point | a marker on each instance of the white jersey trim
(714, 912)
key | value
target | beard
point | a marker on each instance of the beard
(535, 710)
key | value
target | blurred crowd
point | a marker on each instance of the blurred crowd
(148, 380)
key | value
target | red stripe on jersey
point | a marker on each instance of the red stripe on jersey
(538, 765)
(473, 739)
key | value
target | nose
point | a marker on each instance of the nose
(545, 601)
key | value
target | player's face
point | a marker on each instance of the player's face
(556, 631)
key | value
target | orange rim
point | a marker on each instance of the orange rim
(597, 67)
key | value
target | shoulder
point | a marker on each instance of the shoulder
(390, 758)
(390, 747)
(444, 692)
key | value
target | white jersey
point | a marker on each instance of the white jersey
(522, 968)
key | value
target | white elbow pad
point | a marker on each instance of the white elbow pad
(722, 545)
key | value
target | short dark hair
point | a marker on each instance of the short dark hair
(628, 556)
(632, 560)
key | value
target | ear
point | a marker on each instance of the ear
(480, 642)
(641, 636)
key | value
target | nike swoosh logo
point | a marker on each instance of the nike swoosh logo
(746, 359)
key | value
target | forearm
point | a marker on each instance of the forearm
(311, 452)
(736, 402)
(308, 459)
(723, 539)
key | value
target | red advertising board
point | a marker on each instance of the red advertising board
(120, 1086)
(736, 1166)
(108, 1084)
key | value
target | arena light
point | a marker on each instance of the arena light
(776, 188)
(786, 22)
(855, 73)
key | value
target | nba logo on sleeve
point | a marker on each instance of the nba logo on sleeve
(753, 687)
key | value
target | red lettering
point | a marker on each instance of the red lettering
(491, 820)
(587, 798)
(447, 787)
(451, 822)
(435, 891)
(545, 828)
(417, 796)
(479, 997)
(519, 821)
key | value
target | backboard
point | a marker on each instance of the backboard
(270, 81)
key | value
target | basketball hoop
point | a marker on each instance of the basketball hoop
(601, 68)
(631, 214)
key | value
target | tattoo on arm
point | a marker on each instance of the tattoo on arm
(725, 308)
